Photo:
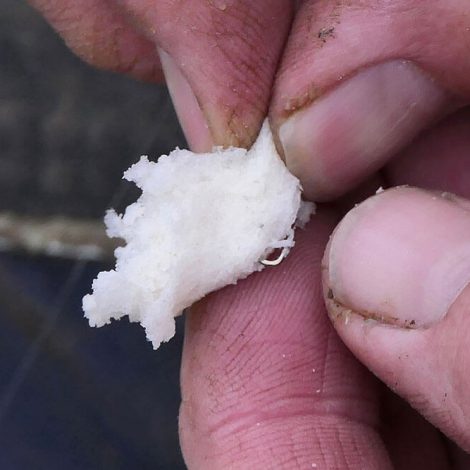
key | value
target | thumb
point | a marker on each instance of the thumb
(396, 285)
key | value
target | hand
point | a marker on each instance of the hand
(266, 381)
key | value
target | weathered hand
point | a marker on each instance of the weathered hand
(353, 91)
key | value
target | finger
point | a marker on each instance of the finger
(360, 79)
(219, 59)
(396, 279)
(266, 383)
(97, 32)
(439, 159)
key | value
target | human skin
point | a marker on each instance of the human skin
(359, 93)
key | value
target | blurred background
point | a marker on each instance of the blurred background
(73, 397)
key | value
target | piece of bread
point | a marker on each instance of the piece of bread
(203, 221)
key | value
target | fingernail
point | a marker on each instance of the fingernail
(189, 112)
(350, 132)
(402, 257)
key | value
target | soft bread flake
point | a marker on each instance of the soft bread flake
(203, 221)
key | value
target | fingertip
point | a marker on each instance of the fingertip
(402, 255)
(339, 138)
(223, 58)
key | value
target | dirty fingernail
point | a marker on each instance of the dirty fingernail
(402, 257)
(187, 108)
(350, 132)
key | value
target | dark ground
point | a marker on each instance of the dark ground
(67, 131)
(72, 397)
